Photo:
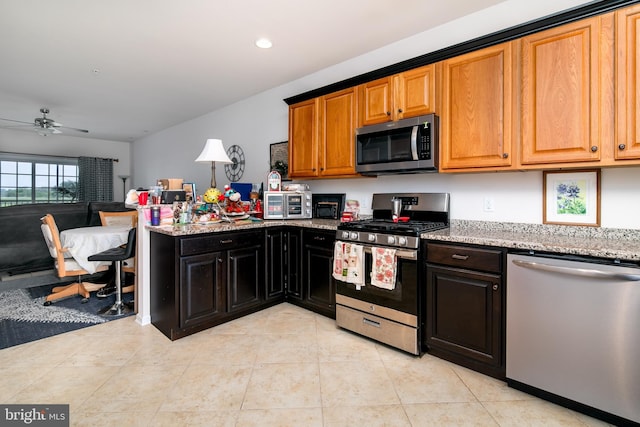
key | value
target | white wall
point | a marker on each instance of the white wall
(256, 122)
(14, 141)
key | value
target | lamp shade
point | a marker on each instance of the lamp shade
(213, 151)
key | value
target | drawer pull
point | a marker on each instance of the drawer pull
(370, 322)
(224, 242)
(460, 257)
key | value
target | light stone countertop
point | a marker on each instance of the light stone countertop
(192, 229)
(612, 243)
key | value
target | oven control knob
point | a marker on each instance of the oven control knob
(402, 241)
(353, 235)
(371, 237)
(391, 240)
(345, 235)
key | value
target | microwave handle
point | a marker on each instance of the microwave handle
(414, 142)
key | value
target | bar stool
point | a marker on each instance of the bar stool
(118, 255)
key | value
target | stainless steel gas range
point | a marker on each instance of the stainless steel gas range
(387, 302)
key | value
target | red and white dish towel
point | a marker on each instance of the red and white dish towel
(383, 268)
(348, 263)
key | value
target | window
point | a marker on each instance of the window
(26, 179)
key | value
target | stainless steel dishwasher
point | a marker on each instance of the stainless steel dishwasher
(573, 333)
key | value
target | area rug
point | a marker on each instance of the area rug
(24, 318)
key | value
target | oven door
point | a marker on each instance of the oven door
(404, 297)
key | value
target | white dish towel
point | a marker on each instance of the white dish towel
(383, 267)
(348, 264)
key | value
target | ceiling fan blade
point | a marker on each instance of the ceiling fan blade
(76, 129)
(17, 121)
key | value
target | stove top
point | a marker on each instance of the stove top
(421, 213)
(410, 228)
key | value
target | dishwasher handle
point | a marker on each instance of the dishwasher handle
(585, 272)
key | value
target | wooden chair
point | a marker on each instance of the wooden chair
(129, 219)
(65, 265)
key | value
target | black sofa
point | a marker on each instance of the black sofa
(22, 246)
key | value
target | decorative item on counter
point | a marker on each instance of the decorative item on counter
(212, 195)
(189, 190)
(258, 209)
(132, 198)
(181, 213)
(213, 152)
(233, 201)
(274, 181)
(351, 211)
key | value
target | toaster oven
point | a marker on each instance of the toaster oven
(287, 204)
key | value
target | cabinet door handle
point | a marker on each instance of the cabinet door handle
(320, 238)
(400, 110)
(460, 257)
(505, 155)
(594, 149)
(219, 260)
(622, 147)
(495, 286)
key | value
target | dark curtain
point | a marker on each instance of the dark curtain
(95, 179)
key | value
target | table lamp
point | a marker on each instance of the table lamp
(213, 152)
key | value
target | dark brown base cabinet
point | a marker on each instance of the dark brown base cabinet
(319, 287)
(203, 280)
(465, 313)
(284, 249)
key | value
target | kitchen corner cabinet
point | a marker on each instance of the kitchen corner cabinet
(321, 136)
(204, 280)
(284, 249)
(319, 287)
(567, 93)
(465, 313)
(479, 115)
(404, 95)
(628, 89)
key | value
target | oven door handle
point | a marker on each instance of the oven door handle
(412, 255)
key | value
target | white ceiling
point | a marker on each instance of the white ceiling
(125, 68)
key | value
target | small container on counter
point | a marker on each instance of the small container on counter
(155, 215)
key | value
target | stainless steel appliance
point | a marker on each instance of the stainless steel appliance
(405, 146)
(287, 204)
(395, 316)
(328, 205)
(572, 333)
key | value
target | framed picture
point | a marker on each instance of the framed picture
(571, 197)
(189, 190)
(279, 158)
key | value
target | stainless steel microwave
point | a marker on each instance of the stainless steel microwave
(405, 146)
(287, 204)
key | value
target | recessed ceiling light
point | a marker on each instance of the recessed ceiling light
(264, 43)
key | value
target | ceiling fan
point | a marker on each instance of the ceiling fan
(44, 125)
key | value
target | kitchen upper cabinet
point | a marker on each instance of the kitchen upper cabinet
(628, 90)
(303, 139)
(479, 109)
(567, 93)
(408, 94)
(338, 118)
(321, 136)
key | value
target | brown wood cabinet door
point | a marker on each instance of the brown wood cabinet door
(415, 92)
(377, 102)
(337, 133)
(303, 139)
(477, 115)
(628, 90)
(563, 109)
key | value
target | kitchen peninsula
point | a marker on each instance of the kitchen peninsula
(183, 252)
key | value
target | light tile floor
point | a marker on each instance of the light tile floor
(284, 366)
